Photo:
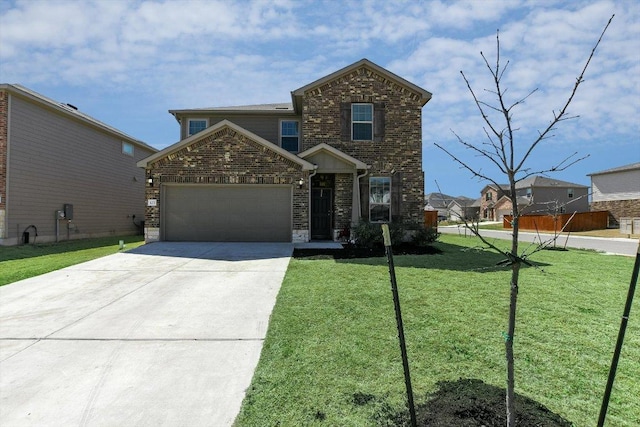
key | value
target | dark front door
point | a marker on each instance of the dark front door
(321, 213)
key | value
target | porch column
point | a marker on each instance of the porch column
(355, 200)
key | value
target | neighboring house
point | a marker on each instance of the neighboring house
(536, 195)
(56, 161)
(348, 147)
(504, 207)
(617, 190)
(464, 208)
(489, 196)
(438, 202)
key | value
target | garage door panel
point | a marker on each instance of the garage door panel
(227, 213)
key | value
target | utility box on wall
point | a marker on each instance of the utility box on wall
(68, 211)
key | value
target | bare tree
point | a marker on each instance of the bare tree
(500, 150)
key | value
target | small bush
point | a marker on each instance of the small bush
(424, 236)
(369, 234)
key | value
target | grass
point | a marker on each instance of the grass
(331, 356)
(22, 262)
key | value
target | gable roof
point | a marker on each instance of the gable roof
(71, 112)
(424, 95)
(438, 200)
(632, 166)
(295, 107)
(334, 152)
(501, 187)
(217, 127)
(541, 181)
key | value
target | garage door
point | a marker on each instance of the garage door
(228, 213)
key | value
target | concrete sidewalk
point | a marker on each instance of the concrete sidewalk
(616, 246)
(167, 334)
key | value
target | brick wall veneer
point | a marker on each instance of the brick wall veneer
(4, 119)
(228, 157)
(619, 208)
(401, 146)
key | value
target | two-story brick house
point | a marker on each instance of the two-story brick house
(536, 195)
(348, 147)
(489, 196)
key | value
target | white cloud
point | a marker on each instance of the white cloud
(198, 54)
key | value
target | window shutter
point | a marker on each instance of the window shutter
(378, 121)
(396, 196)
(345, 120)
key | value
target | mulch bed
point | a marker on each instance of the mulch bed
(472, 403)
(351, 252)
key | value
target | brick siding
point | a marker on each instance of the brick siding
(401, 147)
(618, 209)
(227, 157)
(4, 122)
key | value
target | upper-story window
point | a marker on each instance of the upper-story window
(197, 125)
(290, 135)
(127, 148)
(489, 196)
(570, 193)
(380, 199)
(529, 192)
(362, 122)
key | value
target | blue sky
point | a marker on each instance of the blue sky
(127, 62)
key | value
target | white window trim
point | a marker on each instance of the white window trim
(280, 132)
(361, 121)
(128, 152)
(206, 125)
(379, 204)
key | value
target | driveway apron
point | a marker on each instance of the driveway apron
(166, 334)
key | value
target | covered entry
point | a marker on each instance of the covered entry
(227, 213)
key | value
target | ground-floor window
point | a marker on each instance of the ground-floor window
(380, 199)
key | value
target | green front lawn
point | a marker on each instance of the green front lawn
(22, 262)
(331, 356)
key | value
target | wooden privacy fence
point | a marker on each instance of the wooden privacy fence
(431, 219)
(582, 221)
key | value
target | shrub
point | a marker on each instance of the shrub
(369, 234)
(424, 236)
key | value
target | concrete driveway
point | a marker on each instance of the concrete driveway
(166, 334)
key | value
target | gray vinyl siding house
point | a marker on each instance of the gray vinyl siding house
(617, 190)
(552, 196)
(53, 155)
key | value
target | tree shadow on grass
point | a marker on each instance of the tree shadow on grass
(473, 403)
(443, 256)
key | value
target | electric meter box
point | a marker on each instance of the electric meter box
(68, 211)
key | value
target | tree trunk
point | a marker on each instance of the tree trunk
(513, 302)
(508, 341)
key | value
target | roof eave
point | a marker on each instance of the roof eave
(306, 166)
(425, 95)
(70, 112)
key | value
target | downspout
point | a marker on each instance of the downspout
(356, 211)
